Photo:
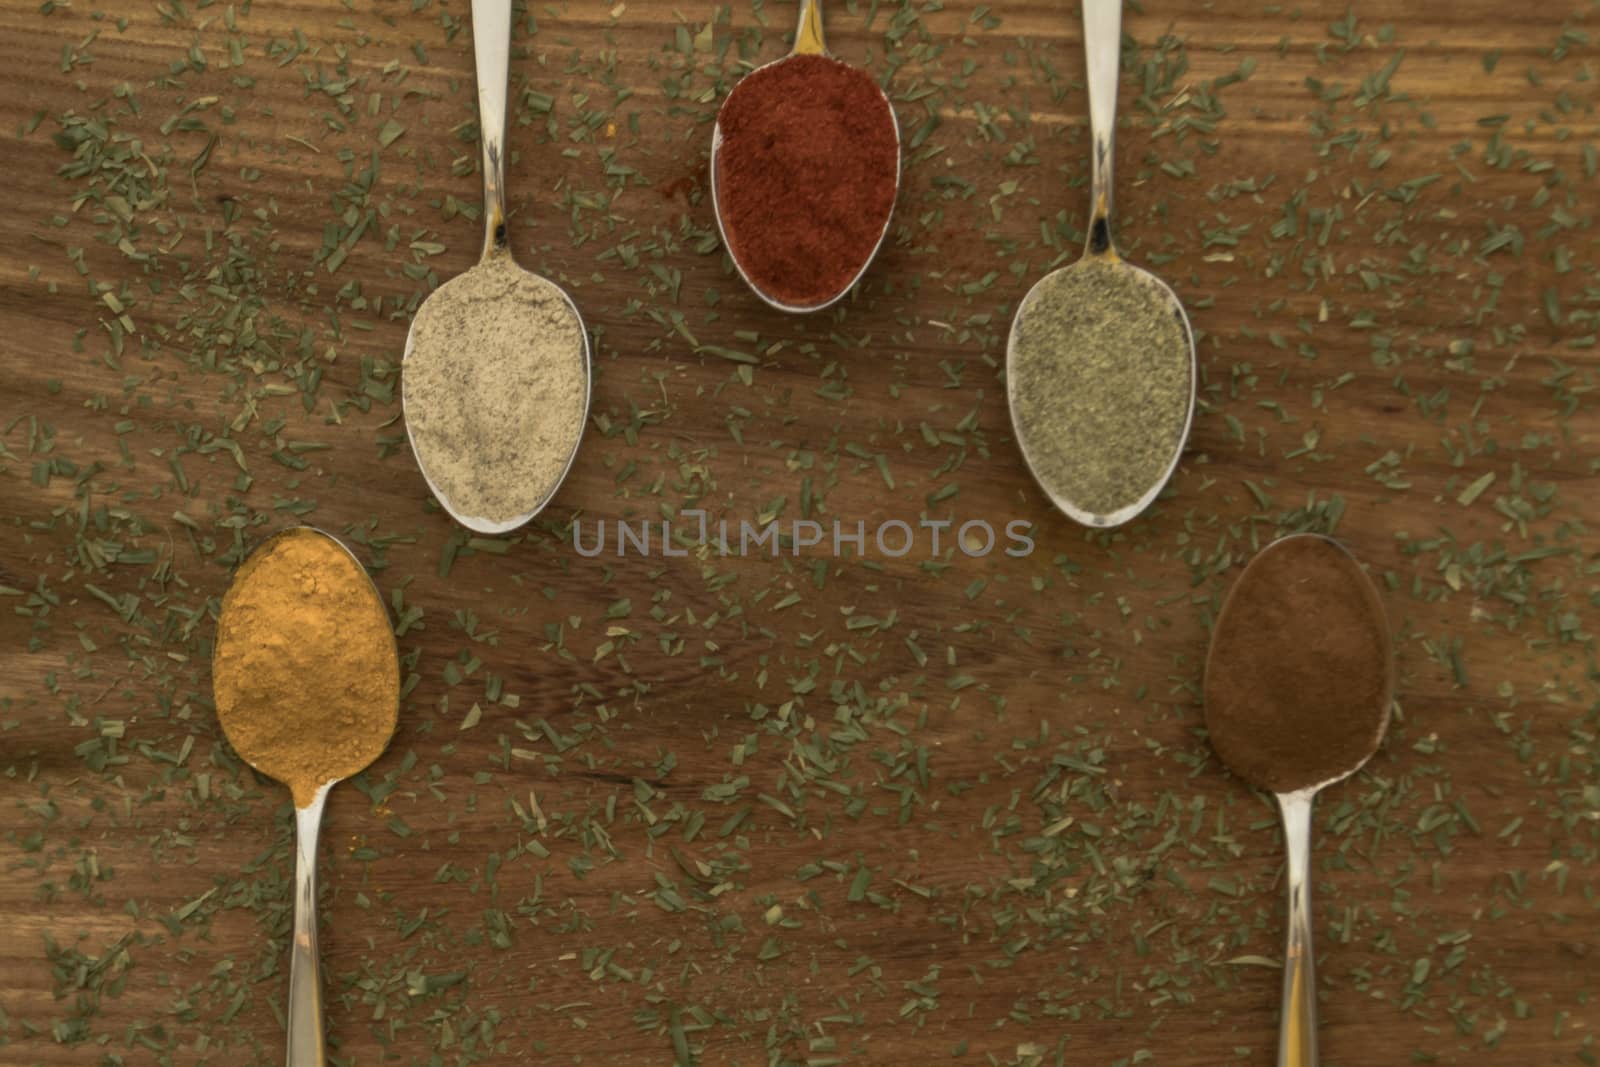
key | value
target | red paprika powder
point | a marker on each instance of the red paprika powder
(806, 174)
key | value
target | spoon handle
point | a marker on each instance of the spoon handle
(1297, 1030)
(491, 47)
(808, 34)
(305, 984)
(1102, 52)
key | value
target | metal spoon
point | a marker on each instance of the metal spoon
(1102, 45)
(808, 41)
(1297, 1028)
(491, 46)
(305, 1021)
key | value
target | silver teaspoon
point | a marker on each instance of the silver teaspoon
(1099, 440)
(507, 502)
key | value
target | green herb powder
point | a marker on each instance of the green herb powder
(1101, 384)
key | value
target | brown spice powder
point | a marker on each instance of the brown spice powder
(1300, 674)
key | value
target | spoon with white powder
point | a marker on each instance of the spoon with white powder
(495, 383)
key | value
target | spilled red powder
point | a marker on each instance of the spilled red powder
(688, 186)
(806, 176)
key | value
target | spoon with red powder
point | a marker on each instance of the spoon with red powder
(1298, 685)
(805, 165)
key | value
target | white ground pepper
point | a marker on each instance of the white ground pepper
(494, 386)
(1100, 381)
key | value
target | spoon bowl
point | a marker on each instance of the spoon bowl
(491, 39)
(1301, 627)
(1068, 455)
(808, 42)
(444, 301)
(1044, 455)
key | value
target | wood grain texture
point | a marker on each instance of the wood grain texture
(800, 810)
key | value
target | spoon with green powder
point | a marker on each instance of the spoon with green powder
(1100, 361)
(496, 377)
(1298, 685)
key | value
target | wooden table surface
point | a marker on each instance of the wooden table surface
(804, 810)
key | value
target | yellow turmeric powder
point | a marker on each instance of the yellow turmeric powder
(305, 672)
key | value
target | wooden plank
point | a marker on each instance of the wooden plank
(1055, 869)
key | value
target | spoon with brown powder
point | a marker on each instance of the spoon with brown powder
(307, 686)
(1298, 685)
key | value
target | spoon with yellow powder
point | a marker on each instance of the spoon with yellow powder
(495, 379)
(306, 679)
